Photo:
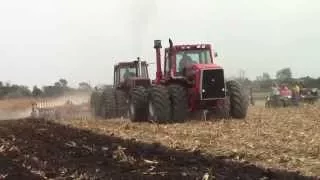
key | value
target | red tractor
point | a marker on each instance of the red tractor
(129, 77)
(190, 82)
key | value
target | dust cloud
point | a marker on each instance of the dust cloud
(75, 99)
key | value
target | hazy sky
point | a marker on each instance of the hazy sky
(43, 40)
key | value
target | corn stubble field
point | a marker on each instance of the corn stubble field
(279, 143)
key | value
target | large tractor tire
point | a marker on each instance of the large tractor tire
(159, 104)
(95, 103)
(108, 104)
(138, 104)
(121, 104)
(238, 100)
(179, 102)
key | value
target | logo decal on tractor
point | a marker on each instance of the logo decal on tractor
(212, 80)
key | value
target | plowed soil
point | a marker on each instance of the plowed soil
(269, 144)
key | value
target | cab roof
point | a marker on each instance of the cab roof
(129, 64)
(191, 46)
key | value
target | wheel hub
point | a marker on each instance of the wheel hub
(151, 112)
(132, 109)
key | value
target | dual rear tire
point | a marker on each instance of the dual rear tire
(110, 103)
(179, 102)
(137, 104)
(151, 104)
(159, 104)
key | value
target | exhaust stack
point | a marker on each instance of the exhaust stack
(158, 46)
(139, 67)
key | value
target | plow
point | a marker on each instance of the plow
(44, 109)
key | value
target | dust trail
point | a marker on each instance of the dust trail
(76, 99)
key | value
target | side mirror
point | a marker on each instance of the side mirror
(215, 54)
(170, 43)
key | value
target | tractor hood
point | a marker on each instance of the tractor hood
(205, 66)
(193, 70)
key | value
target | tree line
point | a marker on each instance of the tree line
(264, 81)
(58, 88)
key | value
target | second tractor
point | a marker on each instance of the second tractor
(112, 101)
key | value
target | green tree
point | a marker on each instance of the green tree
(264, 81)
(84, 86)
(284, 75)
(63, 82)
(36, 91)
(57, 85)
(266, 76)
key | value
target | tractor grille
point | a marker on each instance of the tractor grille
(213, 85)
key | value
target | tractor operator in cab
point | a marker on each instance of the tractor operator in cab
(127, 74)
(184, 62)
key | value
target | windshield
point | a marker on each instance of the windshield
(201, 56)
(132, 72)
(127, 72)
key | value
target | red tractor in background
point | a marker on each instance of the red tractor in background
(191, 81)
(111, 101)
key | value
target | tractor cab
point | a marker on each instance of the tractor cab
(131, 74)
(182, 62)
(183, 56)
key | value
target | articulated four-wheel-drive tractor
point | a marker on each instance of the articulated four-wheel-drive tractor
(112, 101)
(190, 82)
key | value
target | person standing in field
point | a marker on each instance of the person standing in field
(251, 96)
(296, 92)
(275, 94)
(275, 90)
(284, 91)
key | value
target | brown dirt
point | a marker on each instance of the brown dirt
(270, 144)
